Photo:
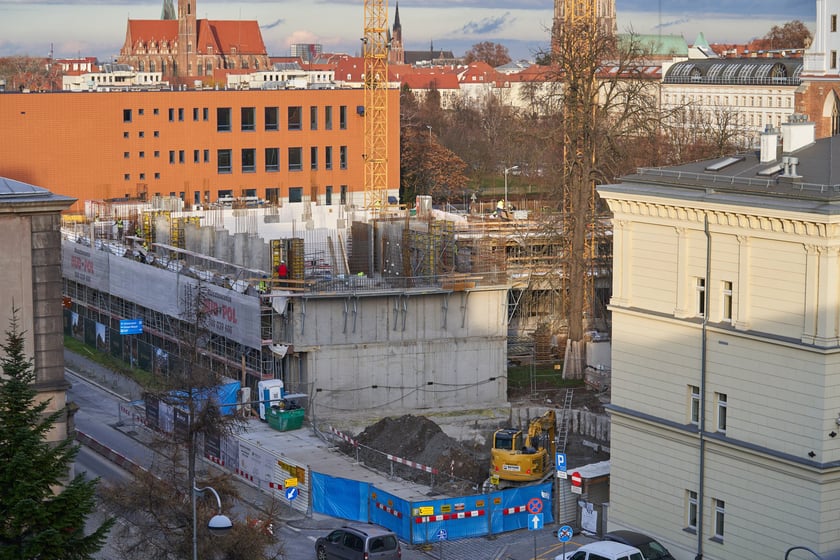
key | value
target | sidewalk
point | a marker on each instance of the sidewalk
(127, 390)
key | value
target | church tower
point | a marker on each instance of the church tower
(186, 58)
(396, 55)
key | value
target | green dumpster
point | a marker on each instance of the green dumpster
(285, 420)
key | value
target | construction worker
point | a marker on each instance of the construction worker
(119, 228)
(282, 272)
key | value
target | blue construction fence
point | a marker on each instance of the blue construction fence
(430, 521)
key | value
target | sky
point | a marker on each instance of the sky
(70, 28)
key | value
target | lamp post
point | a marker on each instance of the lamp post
(512, 168)
(430, 133)
(219, 523)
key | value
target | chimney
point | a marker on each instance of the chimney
(769, 144)
(797, 133)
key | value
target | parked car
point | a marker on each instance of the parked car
(603, 550)
(650, 547)
(359, 542)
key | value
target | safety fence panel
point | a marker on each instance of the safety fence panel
(340, 497)
(510, 511)
(390, 511)
(450, 519)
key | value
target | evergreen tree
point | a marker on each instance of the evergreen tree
(40, 516)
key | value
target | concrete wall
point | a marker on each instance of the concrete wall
(359, 354)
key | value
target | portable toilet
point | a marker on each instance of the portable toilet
(269, 392)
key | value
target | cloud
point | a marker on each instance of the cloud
(487, 25)
(273, 24)
(672, 23)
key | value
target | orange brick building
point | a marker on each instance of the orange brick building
(283, 146)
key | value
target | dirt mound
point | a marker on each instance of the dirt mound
(418, 439)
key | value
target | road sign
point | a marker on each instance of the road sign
(577, 483)
(534, 505)
(291, 493)
(289, 482)
(535, 521)
(441, 535)
(564, 533)
(131, 326)
(561, 462)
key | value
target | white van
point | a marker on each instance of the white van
(603, 550)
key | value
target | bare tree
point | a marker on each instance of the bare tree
(158, 504)
(493, 54)
(792, 35)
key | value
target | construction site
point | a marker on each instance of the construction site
(419, 309)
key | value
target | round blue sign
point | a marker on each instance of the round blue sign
(564, 533)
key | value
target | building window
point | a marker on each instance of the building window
(206, 156)
(313, 158)
(295, 118)
(171, 156)
(157, 153)
(328, 117)
(721, 411)
(196, 156)
(171, 115)
(157, 175)
(342, 117)
(205, 114)
(142, 155)
(125, 155)
(342, 157)
(833, 23)
(328, 196)
(180, 113)
(155, 111)
(295, 194)
(180, 156)
(700, 287)
(691, 510)
(141, 134)
(126, 115)
(249, 119)
(295, 159)
(127, 177)
(249, 160)
(313, 118)
(833, 59)
(727, 302)
(223, 119)
(156, 134)
(272, 119)
(140, 111)
(328, 158)
(272, 194)
(720, 514)
(694, 404)
(142, 176)
(272, 159)
(125, 134)
(223, 161)
(343, 195)
(195, 113)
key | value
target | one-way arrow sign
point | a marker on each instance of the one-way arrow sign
(535, 521)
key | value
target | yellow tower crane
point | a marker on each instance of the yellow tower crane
(578, 50)
(375, 43)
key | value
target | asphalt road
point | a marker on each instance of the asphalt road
(99, 417)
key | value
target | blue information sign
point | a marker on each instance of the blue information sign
(131, 326)
(561, 462)
(291, 493)
(535, 521)
(441, 535)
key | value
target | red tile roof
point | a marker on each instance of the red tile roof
(222, 36)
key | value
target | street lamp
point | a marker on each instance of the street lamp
(512, 168)
(218, 524)
(430, 133)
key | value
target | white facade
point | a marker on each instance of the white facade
(726, 356)
(821, 57)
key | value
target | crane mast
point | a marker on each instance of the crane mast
(375, 43)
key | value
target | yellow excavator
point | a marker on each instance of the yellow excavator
(516, 461)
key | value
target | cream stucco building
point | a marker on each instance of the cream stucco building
(726, 351)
